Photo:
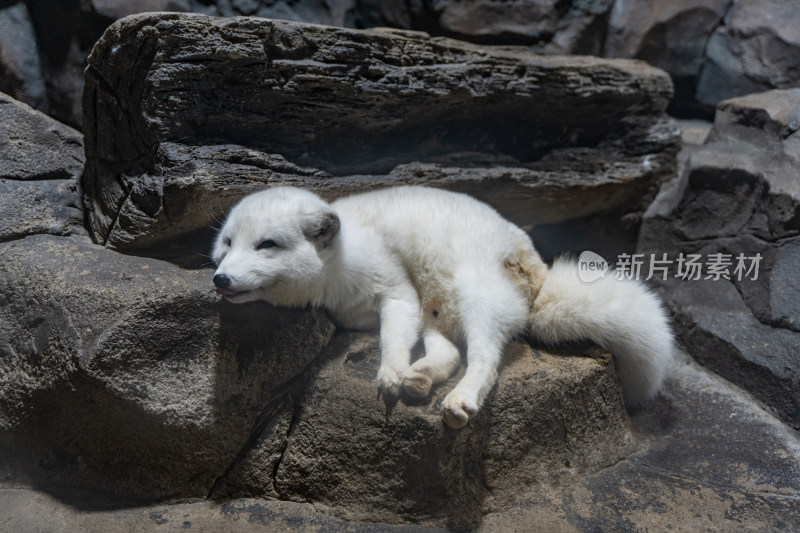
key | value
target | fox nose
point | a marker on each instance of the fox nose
(222, 281)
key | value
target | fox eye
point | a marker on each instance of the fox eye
(263, 245)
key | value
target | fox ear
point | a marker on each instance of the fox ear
(321, 227)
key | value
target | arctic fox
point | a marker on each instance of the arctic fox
(441, 265)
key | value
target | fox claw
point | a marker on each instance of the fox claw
(389, 383)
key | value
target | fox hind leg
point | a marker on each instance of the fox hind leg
(491, 311)
(441, 360)
(464, 401)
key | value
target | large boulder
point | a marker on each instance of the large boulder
(41, 163)
(710, 459)
(740, 194)
(552, 417)
(186, 113)
(756, 47)
(669, 35)
(717, 462)
(129, 375)
(44, 45)
(713, 49)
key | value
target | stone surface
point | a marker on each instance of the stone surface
(713, 49)
(20, 69)
(710, 460)
(669, 35)
(721, 332)
(548, 26)
(740, 194)
(129, 375)
(215, 177)
(44, 45)
(26, 510)
(60, 34)
(125, 380)
(550, 419)
(716, 462)
(203, 121)
(40, 169)
(756, 48)
(36, 147)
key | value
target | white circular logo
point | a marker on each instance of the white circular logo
(591, 267)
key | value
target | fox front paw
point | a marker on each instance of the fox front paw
(389, 382)
(457, 409)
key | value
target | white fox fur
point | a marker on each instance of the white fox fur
(443, 266)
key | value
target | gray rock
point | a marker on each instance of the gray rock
(709, 460)
(717, 462)
(740, 194)
(40, 169)
(670, 35)
(551, 419)
(756, 48)
(44, 45)
(562, 28)
(713, 49)
(36, 147)
(329, 12)
(160, 218)
(30, 208)
(254, 102)
(25, 510)
(20, 69)
(60, 34)
(721, 332)
(116, 9)
(694, 132)
(129, 375)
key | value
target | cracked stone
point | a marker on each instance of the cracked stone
(670, 35)
(709, 459)
(185, 114)
(718, 462)
(739, 194)
(40, 169)
(552, 418)
(757, 48)
(129, 375)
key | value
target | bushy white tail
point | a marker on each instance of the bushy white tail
(622, 316)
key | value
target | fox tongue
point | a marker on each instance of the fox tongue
(226, 292)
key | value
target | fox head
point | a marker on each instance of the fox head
(273, 246)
